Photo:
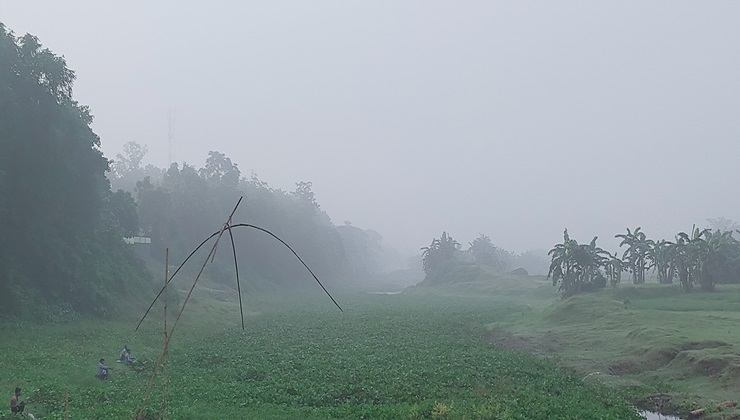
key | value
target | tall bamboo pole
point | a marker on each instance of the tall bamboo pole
(164, 343)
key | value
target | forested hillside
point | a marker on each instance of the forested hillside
(62, 226)
(181, 206)
(61, 247)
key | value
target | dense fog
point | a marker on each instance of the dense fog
(515, 120)
(412, 209)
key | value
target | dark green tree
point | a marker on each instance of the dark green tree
(440, 251)
(220, 169)
(130, 161)
(304, 194)
(484, 251)
(362, 249)
(127, 170)
(125, 211)
(61, 245)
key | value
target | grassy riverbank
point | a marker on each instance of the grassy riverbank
(675, 351)
(400, 356)
(504, 348)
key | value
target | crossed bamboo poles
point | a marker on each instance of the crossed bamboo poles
(227, 226)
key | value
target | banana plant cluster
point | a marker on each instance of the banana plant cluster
(441, 249)
(637, 255)
(701, 257)
(485, 252)
(578, 266)
(706, 258)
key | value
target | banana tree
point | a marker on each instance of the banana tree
(701, 254)
(562, 265)
(682, 261)
(721, 259)
(575, 265)
(590, 259)
(485, 252)
(661, 253)
(637, 254)
(690, 256)
(438, 252)
(613, 266)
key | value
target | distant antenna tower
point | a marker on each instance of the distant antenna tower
(170, 136)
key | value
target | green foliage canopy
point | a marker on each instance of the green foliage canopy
(61, 242)
(440, 251)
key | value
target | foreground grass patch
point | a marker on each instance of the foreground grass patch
(683, 347)
(384, 357)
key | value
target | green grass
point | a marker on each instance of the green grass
(498, 347)
(652, 339)
(401, 356)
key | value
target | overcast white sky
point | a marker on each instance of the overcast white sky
(515, 119)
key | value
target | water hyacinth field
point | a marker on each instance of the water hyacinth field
(385, 356)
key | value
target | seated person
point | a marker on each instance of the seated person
(126, 356)
(15, 406)
(102, 370)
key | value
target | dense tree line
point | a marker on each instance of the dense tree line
(60, 232)
(62, 227)
(181, 206)
(445, 261)
(702, 257)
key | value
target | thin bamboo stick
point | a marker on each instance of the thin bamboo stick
(162, 358)
(164, 344)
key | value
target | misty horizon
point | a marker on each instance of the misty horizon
(510, 120)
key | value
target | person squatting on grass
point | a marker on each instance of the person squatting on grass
(125, 357)
(102, 370)
(15, 406)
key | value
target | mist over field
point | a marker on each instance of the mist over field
(514, 120)
(385, 210)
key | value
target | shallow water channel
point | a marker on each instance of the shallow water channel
(649, 415)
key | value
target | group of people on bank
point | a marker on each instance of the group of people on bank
(19, 406)
(126, 358)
